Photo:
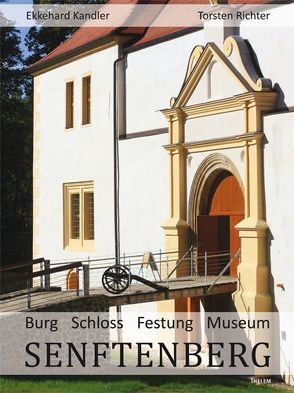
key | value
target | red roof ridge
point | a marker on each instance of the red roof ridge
(82, 32)
(80, 40)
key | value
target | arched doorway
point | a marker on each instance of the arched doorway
(71, 280)
(221, 208)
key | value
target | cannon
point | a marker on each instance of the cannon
(117, 278)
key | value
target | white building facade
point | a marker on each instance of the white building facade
(228, 126)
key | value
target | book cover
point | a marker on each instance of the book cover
(146, 196)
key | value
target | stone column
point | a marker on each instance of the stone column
(253, 293)
(176, 229)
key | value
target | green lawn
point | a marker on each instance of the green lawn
(133, 385)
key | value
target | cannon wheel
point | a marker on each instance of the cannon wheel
(116, 279)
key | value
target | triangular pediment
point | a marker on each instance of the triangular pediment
(213, 73)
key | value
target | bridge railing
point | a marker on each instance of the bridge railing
(233, 258)
(161, 267)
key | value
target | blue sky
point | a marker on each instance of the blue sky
(17, 1)
(23, 30)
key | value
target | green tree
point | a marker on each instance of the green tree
(17, 131)
(16, 151)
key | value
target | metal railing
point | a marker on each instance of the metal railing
(162, 268)
(223, 271)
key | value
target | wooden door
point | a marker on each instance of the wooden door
(213, 237)
(224, 210)
(235, 243)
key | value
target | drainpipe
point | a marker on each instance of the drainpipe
(118, 122)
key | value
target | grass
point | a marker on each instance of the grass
(150, 384)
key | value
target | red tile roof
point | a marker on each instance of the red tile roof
(90, 37)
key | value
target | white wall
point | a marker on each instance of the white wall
(216, 126)
(279, 195)
(154, 76)
(274, 49)
(144, 192)
(83, 153)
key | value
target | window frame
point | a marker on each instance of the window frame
(86, 100)
(80, 243)
(69, 126)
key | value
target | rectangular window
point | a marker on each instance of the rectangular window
(86, 97)
(89, 215)
(75, 216)
(79, 216)
(69, 105)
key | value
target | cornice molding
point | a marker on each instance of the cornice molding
(216, 143)
(263, 100)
